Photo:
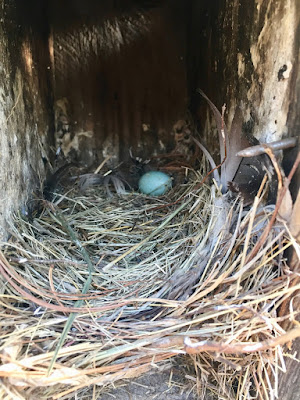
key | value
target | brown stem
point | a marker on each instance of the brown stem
(239, 348)
(280, 197)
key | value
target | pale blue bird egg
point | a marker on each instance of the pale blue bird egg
(155, 183)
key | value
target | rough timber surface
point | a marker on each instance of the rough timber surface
(25, 107)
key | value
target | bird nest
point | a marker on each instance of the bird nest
(97, 289)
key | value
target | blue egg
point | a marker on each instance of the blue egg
(155, 183)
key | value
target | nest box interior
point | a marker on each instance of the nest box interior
(104, 82)
(96, 79)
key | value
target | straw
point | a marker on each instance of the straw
(97, 289)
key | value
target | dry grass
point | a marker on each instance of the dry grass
(118, 285)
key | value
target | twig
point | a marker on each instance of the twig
(260, 149)
(239, 348)
(264, 235)
(102, 164)
(272, 157)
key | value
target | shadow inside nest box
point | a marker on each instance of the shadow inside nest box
(249, 176)
(289, 157)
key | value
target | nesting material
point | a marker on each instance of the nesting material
(98, 289)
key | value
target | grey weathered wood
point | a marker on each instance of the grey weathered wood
(25, 105)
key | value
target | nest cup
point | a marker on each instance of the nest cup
(103, 289)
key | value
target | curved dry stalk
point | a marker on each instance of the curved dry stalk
(192, 347)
